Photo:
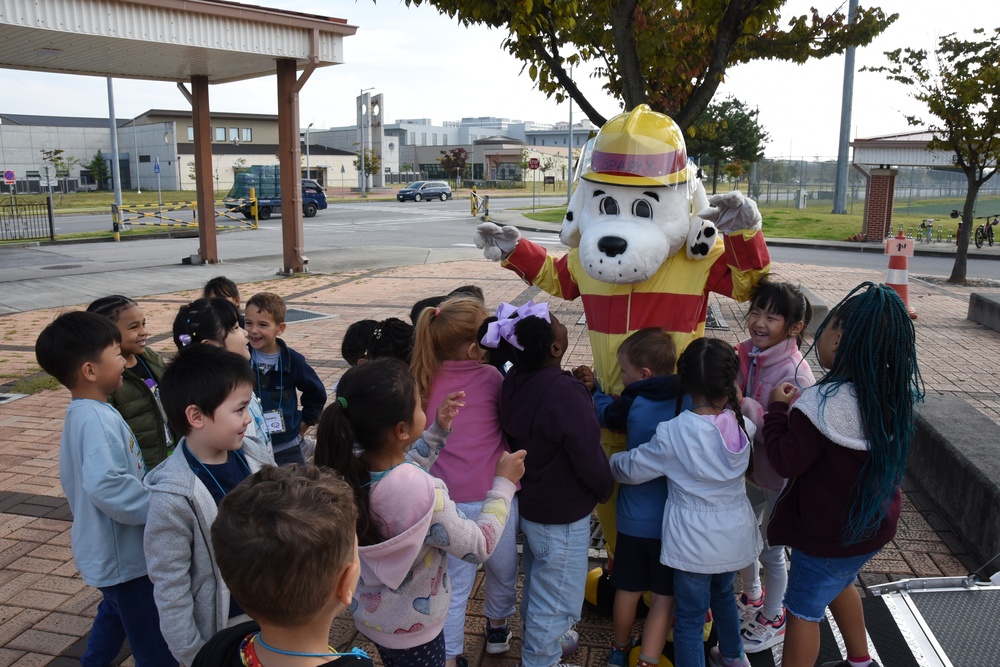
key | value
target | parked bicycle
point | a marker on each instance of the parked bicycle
(926, 233)
(984, 232)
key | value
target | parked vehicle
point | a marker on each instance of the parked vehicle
(421, 190)
(266, 181)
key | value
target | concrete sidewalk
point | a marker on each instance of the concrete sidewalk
(46, 610)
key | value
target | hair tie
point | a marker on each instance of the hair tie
(437, 311)
(184, 339)
(343, 402)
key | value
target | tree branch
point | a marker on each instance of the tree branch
(555, 65)
(729, 30)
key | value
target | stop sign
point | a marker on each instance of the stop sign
(533, 163)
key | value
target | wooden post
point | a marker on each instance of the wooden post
(289, 157)
(208, 249)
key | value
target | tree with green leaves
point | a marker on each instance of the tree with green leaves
(373, 163)
(960, 84)
(670, 55)
(99, 170)
(727, 133)
(453, 161)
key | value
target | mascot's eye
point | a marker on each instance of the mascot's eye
(609, 206)
(642, 209)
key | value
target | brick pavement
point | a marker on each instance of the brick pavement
(45, 609)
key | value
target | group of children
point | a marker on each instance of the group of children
(444, 441)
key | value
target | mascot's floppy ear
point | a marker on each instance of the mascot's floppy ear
(570, 232)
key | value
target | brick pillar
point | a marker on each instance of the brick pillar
(879, 195)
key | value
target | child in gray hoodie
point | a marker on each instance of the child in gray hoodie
(206, 393)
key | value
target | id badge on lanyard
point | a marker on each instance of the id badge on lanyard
(274, 421)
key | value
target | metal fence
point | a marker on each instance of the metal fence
(23, 220)
(775, 181)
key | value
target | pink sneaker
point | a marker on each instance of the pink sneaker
(716, 659)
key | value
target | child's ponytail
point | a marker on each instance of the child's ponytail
(441, 334)
(372, 399)
(708, 367)
(204, 320)
(335, 449)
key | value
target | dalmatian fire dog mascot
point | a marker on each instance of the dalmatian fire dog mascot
(645, 248)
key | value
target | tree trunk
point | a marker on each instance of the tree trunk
(715, 175)
(958, 271)
(623, 33)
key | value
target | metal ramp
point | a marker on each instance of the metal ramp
(934, 622)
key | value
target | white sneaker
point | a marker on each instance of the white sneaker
(762, 633)
(749, 608)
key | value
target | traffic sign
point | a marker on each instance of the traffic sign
(8, 177)
(156, 164)
(533, 163)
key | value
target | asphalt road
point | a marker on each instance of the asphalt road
(361, 210)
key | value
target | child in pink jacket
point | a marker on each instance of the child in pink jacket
(778, 315)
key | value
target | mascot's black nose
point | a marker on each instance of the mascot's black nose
(612, 246)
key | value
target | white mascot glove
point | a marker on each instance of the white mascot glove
(732, 212)
(495, 241)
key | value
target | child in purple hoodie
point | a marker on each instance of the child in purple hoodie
(407, 522)
(548, 413)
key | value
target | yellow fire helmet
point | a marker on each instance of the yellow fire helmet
(640, 148)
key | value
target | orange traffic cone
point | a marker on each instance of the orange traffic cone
(898, 277)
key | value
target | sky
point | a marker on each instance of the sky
(428, 66)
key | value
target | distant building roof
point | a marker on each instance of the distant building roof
(497, 139)
(176, 113)
(259, 149)
(31, 120)
(919, 137)
(904, 149)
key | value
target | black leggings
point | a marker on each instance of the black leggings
(430, 654)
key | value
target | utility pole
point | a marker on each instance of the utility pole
(846, 103)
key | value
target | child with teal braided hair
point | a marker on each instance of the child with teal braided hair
(843, 446)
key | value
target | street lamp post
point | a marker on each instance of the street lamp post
(308, 172)
(364, 113)
(135, 142)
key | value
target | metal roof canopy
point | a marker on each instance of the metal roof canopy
(196, 41)
(908, 149)
(164, 40)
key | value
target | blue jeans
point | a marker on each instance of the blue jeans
(499, 580)
(555, 574)
(694, 594)
(127, 610)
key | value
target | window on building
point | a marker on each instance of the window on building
(190, 133)
(234, 134)
(247, 134)
(423, 138)
(145, 158)
(220, 134)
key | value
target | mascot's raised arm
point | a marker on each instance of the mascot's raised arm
(647, 246)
